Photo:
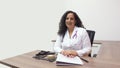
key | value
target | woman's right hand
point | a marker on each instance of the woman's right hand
(68, 53)
(65, 52)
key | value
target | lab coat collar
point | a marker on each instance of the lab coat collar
(74, 31)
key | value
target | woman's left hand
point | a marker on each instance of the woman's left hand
(73, 53)
(69, 53)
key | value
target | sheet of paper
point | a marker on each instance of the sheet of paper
(4, 66)
(67, 60)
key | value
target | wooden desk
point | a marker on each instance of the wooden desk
(108, 57)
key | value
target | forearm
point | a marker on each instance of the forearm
(84, 51)
(57, 49)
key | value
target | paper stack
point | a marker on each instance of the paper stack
(64, 60)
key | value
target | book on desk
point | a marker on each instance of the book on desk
(64, 60)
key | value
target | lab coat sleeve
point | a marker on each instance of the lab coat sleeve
(86, 45)
(57, 46)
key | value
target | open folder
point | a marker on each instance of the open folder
(64, 60)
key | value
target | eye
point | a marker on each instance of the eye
(72, 18)
(67, 18)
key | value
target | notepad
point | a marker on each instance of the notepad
(4, 66)
(64, 60)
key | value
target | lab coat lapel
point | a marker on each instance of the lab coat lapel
(69, 41)
(74, 36)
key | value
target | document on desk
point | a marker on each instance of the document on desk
(4, 66)
(64, 60)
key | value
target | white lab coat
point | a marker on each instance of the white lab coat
(79, 42)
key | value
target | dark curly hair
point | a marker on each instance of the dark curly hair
(62, 25)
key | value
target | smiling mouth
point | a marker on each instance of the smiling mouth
(69, 23)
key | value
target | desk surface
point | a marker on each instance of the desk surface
(108, 57)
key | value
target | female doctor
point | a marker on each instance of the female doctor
(72, 39)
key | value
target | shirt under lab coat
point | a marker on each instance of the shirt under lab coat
(79, 42)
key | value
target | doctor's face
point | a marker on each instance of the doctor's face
(70, 20)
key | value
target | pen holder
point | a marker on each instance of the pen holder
(45, 55)
(51, 58)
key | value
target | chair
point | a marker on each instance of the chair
(91, 35)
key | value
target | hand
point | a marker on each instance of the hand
(73, 52)
(69, 53)
(65, 52)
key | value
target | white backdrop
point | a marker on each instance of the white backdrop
(27, 25)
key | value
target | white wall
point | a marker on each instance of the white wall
(103, 16)
(27, 25)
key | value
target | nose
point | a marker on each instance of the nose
(69, 19)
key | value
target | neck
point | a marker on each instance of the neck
(71, 30)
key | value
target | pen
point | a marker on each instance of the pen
(84, 60)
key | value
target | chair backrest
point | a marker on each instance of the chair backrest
(91, 34)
